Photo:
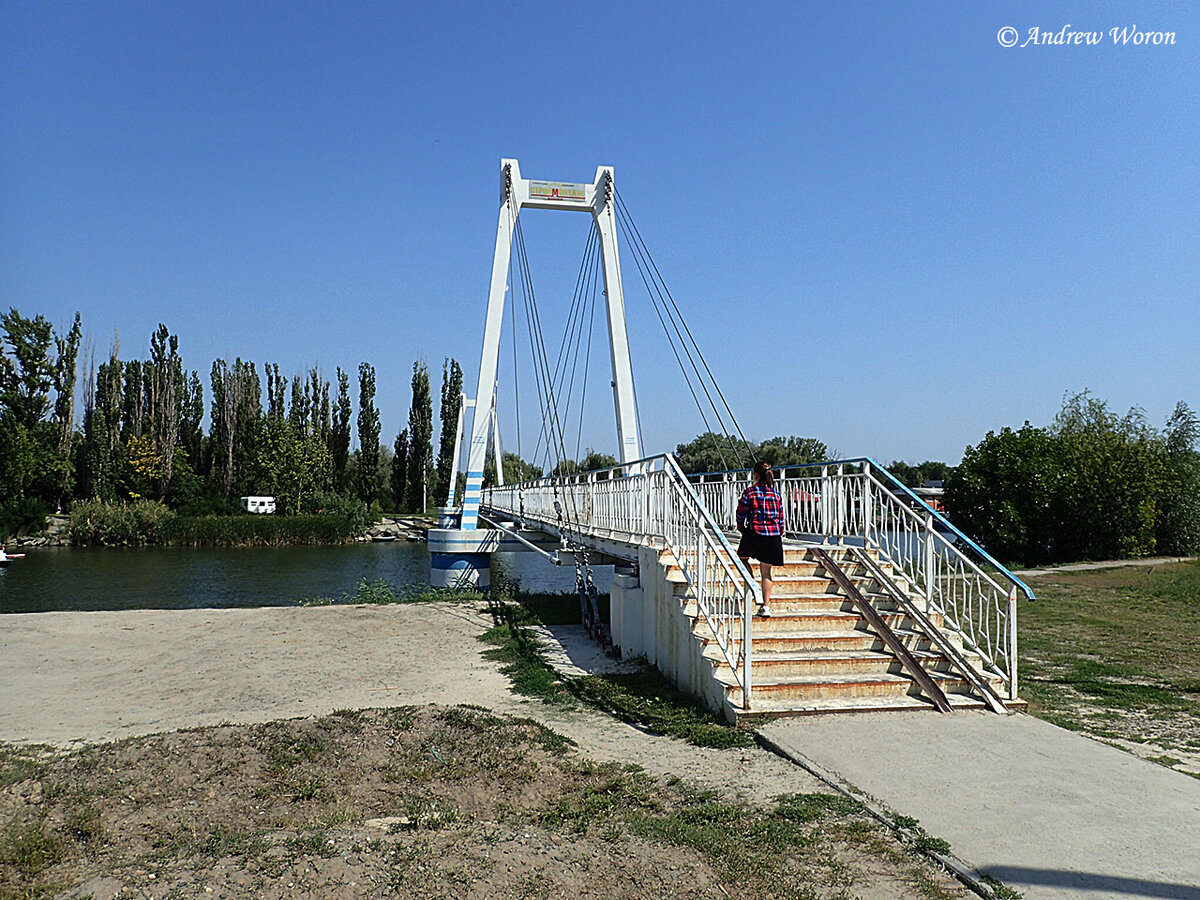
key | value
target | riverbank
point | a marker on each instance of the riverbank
(125, 527)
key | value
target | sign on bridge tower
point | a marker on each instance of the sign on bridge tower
(597, 198)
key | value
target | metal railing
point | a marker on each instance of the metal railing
(857, 501)
(637, 503)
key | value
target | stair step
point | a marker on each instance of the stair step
(771, 709)
(837, 686)
(858, 638)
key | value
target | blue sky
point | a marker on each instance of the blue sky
(885, 229)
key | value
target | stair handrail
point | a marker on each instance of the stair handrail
(895, 486)
(876, 621)
(902, 599)
(845, 502)
(621, 502)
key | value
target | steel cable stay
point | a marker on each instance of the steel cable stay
(675, 350)
(678, 315)
(546, 394)
(550, 386)
(656, 286)
(580, 316)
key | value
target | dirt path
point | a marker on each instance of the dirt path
(101, 676)
(1106, 564)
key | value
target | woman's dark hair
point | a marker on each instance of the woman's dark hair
(766, 477)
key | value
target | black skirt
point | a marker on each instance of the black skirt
(766, 548)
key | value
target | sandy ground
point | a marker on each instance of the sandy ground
(99, 676)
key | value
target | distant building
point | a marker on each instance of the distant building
(931, 492)
(258, 504)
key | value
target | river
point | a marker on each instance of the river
(49, 579)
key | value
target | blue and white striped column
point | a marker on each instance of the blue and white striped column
(461, 559)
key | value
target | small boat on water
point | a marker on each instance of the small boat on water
(6, 558)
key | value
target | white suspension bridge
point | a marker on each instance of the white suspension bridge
(881, 604)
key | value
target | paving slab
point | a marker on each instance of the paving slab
(1049, 812)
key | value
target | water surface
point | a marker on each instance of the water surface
(178, 578)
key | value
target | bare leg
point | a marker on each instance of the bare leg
(767, 584)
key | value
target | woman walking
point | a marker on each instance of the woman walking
(760, 520)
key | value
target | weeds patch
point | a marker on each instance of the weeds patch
(645, 699)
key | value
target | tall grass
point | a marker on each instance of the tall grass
(145, 523)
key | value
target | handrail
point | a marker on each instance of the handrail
(641, 500)
(844, 501)
(898, 484)
(934, 634)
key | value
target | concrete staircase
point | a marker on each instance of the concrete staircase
(818, 654)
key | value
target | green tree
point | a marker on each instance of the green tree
(452, 381)
(1179, 514)
(339, 435)
(516, 470)
(191, 415)
(26, 369)
(594, 460)
(792, 451)
(236, 424)
(1005, 494)
(1112, 472)
(34, 452)
(399, 480)
(66, 372)
(420, 439)
(100, 452)
(368, 434)
(711, 452)
(163, 376)
(1094, 485)
(915, 476)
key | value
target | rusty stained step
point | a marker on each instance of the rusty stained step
(778, 665)
(764, 709)
(803, 689)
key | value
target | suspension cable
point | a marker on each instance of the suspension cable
(642, 253)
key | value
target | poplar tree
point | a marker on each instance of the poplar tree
(368, 433)
(163, 379)
(451, 403)
(400, 468)
(420, 439)
(339, 436)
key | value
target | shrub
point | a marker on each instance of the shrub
(133, 523)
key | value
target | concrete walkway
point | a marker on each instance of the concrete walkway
(1047, 811)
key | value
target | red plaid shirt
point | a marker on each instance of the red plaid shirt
(762, 509)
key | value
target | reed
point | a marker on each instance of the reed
(147, 523)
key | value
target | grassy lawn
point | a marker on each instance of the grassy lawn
(1115, 653)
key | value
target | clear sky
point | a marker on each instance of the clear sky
(886, 230)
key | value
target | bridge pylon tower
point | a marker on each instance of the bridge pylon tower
(452, 558)
(597, 198)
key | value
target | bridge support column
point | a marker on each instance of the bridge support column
(627, 600)
(461, 559)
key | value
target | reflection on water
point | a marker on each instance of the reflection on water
(173, 578)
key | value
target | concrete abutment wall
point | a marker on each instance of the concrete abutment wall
(649, 620)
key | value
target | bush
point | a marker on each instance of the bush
(1091, 486)
(143, 522)
(134, 523)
